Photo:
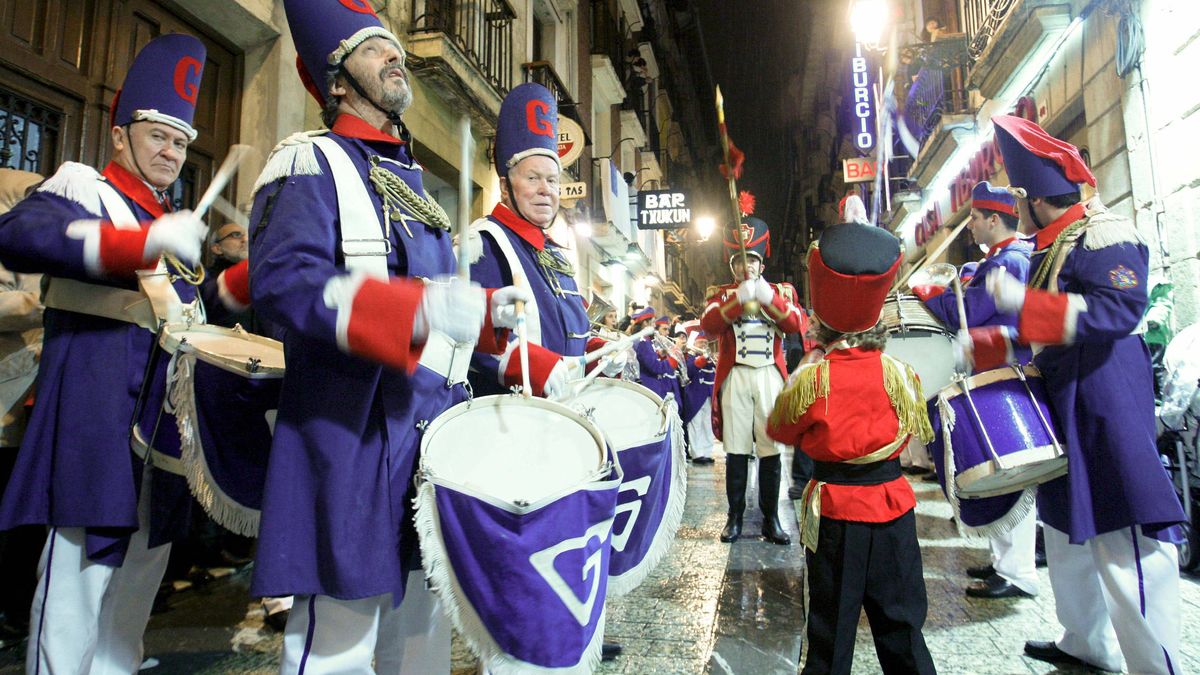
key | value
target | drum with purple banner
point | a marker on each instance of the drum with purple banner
(997, 435)
(918, 338)
(223, 388)
(646, 433)
(515, 514)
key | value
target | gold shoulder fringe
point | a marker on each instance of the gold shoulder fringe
(904, 390)
(807, 385)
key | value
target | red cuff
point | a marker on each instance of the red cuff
(541, 362)
(671, 360)
(991, 347)
(122, 252)
(492, 340)
(927, 291)
(701, 361)
(233, 286)
(381, 322)
(1044, 317)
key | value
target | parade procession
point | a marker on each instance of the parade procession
(425, 337)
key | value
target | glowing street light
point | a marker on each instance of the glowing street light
(868, 18)
(705, 225)
(583, 228)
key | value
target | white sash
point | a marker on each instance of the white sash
(532, 316)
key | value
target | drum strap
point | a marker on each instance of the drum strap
(533, 317)
(839, 473)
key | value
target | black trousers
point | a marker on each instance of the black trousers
(874, 567)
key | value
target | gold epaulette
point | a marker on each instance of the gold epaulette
(804, 387)
(903, 388)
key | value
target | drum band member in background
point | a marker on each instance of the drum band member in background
(853, 412)
(1111, 523)
(750, 373)
(352, 259)
(993, 223)
(697, 396)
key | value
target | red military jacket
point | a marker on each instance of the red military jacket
(722, 309)
(852, 419)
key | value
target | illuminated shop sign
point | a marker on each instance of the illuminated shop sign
(864, 110)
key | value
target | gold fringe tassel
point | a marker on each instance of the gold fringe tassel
(807, 386)
(904, 389)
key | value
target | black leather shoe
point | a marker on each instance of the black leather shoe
(733, 529)
(702, 460)
(610, 650)
(995, 586)
(1046, 650)
(981, 572)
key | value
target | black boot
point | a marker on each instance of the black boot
(736, 469)
(769, 474)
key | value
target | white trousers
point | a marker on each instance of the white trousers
(1013, 554)
(328, 635)
(700, 432)
(87, 617)
(747, 397)
(1117, 594)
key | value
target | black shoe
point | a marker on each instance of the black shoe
(733, 528)
(610, 650)
(981, 572)
(278, 620)
(994, 587)
(737, 469)
(1046, 650)
(914, 470)
(703, 460)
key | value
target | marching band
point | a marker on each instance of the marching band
(458, 438)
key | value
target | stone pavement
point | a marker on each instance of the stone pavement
(708, 608)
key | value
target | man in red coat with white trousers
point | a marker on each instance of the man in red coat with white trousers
(751, 372)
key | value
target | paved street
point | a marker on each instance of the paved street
(708, 608)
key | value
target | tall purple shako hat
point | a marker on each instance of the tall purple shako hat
(325, 32)
(528, 126)
(162, 84)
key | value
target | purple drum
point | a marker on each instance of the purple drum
(1000, 433)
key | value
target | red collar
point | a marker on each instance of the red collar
(352, 126)
(850, 353)
(1048, 234)
(133, 187)
(524, 229)
(999, 247)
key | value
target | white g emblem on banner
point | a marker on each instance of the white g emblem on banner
(641, 486)
(543, 562)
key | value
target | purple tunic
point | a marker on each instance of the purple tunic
(75, 467)
(657, 374)
(699, 388)
(1103, 399)
(337, 507)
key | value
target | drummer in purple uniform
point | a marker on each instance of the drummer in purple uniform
(1111, 523)
(657, 373)
(351, 257)
(697, 398)
(111, 516)
(514, 237)
(993, 223)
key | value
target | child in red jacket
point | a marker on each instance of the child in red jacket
(853, 413)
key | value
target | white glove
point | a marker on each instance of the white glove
(454, 307)
(555, 387)
(504, 305)
(746, 291)
(964, 352)
(1006, 291)
(616, 364)
(180, 234)
(763, 291)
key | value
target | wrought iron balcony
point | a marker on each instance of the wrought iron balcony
(465, 50)
(981, 19)
(933, 81)
(608, 34)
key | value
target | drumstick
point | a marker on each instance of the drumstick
(464, 196)
(229, 168)
(958, 300)
(522, 341)
(582, 383)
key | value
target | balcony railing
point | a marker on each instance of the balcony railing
(608, 35)
(482, 29)
(981, 19)
(935, 76)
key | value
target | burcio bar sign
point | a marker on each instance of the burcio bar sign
(663, 209)
(864, 113)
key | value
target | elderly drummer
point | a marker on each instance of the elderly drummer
(1111, 524)
(1012, 571)
(93, 231)
(853, 412)
(343, 232)
(751, 371)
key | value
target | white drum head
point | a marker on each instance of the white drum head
(243, 353)
(930, 354)
(512, 449)
(628, 414)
